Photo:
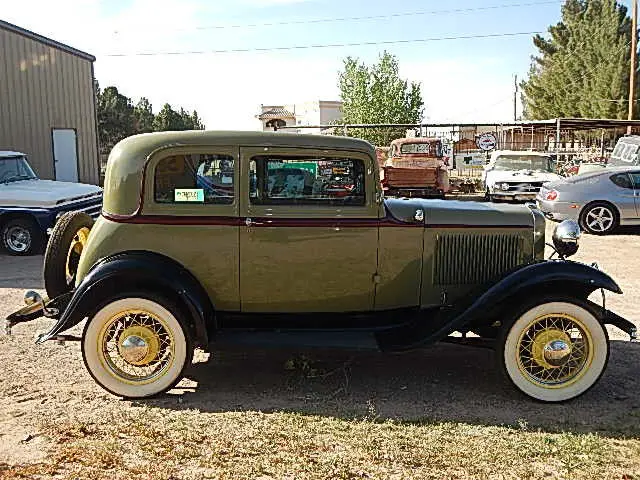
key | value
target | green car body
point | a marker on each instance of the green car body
(286, 239)
(375, 256)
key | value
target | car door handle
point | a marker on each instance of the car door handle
(249, 222)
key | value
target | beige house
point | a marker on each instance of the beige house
(318, 112)
(47, 105)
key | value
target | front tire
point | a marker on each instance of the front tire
(555, 351)
(21, 237)
(135, 347)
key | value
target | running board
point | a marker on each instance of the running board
(362, 340)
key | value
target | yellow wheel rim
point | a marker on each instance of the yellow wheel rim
(554, 351)
(136, 346)
(78, 244)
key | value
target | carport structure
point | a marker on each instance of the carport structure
(566, 137)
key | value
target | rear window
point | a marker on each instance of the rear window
(432, 149)
(195, 178)
(622, 180)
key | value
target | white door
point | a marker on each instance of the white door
(65, 154)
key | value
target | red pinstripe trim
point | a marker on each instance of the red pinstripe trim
(257, 222)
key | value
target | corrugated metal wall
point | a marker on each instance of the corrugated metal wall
(41, 88)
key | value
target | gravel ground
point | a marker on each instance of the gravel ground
(48, 383)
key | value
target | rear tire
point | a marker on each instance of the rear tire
(556, 350)
(21, 237)
(136, 347)
(64, 248)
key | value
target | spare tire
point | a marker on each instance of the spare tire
(61, 258)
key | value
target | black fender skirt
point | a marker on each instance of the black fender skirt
(537, 279)
(139, 272)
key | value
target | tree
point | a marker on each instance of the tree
(582, 69)
(115, 117)
(377, 94)
(143, 113)
(168, 119)
(196, 122)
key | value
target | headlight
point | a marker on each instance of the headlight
(565, 238)
(504, 186)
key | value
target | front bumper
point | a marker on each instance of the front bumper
(516, 196)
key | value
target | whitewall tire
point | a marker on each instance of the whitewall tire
(135, 348)
(555, 351)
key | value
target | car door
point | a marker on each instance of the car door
(635, 178)
(623, 195)
(310, 238)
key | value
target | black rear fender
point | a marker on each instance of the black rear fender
(137, 272)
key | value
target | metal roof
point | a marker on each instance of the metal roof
(565, 124)
(47, 41)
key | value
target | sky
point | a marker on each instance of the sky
(463, 80)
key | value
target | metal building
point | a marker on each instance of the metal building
(47, 105)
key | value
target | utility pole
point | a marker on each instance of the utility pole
(634, 54)
(515, 98)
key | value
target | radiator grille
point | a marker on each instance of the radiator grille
(472, 259)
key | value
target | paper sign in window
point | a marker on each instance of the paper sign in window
(191, 195)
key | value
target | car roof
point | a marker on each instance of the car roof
(127, 161)
(9, 154)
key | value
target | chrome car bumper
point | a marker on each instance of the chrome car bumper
(514, 196)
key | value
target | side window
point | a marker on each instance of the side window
(284, 180)
(195, 178)
(622, 180)
(617, 152)
(635, 177)
(629, 153)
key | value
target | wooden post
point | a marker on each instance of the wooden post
(634, 54)
(515, 98)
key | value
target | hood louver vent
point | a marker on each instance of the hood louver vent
(467, 259)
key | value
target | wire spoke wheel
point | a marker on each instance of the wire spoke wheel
(137, 346)
(554, 350)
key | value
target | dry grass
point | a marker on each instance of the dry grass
(144, 442)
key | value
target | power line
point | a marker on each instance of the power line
(379, 17)
(321, 45)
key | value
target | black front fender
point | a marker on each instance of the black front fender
(572, 279)
(138, 272)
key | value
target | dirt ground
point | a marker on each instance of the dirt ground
(44, 387)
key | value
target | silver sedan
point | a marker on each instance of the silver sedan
(599, 201)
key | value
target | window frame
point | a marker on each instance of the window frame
(152, 207)
(370, 209)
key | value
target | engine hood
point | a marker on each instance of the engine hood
(45, 193)
(520, 176)
(458, 214)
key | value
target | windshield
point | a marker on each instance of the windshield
(13, 169)
(431, 149)
(523, 162)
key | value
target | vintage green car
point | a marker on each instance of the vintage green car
(270, 238)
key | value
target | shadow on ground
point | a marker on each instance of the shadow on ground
(21, 272)
(445, 383)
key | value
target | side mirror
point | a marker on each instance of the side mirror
(565, 238)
